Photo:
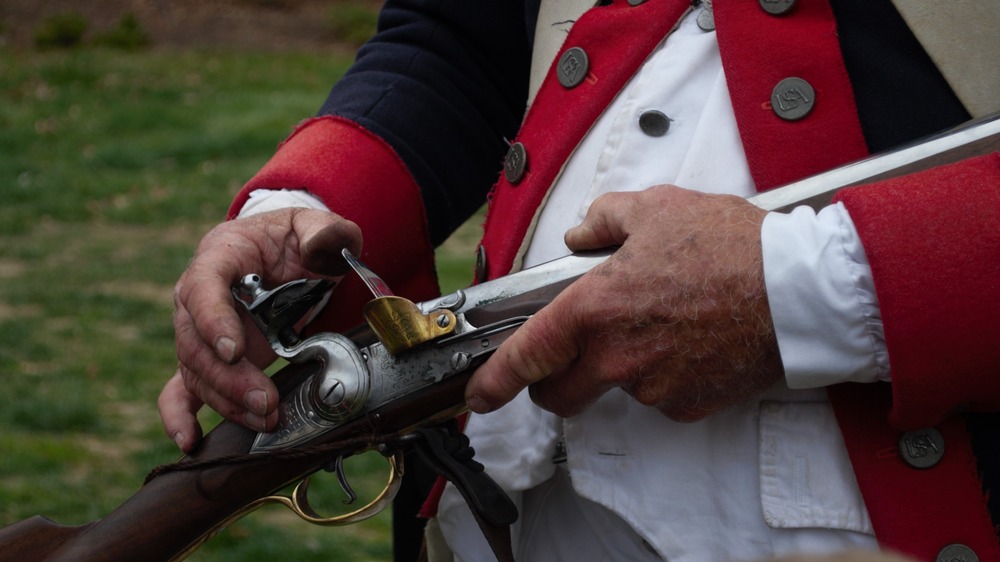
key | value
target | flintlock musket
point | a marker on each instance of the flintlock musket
(385, 386)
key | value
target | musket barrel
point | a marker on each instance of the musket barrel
(975, 138)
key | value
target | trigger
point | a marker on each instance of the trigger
(338, 469)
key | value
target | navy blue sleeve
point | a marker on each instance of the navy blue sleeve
(444, 83)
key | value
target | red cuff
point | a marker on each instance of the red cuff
(360, 177)
(933, 242)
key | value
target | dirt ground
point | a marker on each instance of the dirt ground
(237, 24)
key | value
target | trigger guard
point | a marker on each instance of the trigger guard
(298, 502)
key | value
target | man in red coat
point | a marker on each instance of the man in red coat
(695, 316)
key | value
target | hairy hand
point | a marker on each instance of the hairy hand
(220, 354)
(677, 316)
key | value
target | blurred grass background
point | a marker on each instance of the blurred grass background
(116, 155)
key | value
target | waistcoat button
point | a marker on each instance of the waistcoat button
(572, 67)
(792, 99)
(921, 449)
(654, 123)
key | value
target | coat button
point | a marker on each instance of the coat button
(792, 99)
(777, 7)
(515, 163)
(573, 66)
(956, 553)
(480, 264)
(706, 18)
(654, 123)
(636, 2)
(921, 449)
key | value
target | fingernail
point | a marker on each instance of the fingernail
(256, 400)
(255, 422)
(226, 348)
(477, 405)
(179, 439)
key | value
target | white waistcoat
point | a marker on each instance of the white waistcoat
(770, 477)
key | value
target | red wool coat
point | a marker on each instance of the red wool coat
(931, 238)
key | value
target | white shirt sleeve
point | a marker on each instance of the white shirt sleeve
(822, 296)
(264, 200)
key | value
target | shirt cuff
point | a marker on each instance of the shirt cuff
(264, 200)
(822, 297)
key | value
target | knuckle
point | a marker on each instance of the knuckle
(646, 398)
(687, 406)
(192, 382)
(655, 389)
(525, 366)
(642, 394)
(212, 395)
(182, 322)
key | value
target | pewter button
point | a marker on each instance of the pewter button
(921, 449)
(792, 99)
(515, 163)
(480, 264)
(654, 123)
(706, 20)
(636, 2)
(956, 553)
(572, 67)
(777, 7)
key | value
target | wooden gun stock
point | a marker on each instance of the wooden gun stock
(175, 512)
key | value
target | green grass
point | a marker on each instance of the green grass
(142, 138)
(113, 165)
(352, 22)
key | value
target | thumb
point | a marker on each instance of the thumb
(322, 237)
(603, 227)
(542, 346)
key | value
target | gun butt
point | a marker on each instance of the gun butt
(35, 538)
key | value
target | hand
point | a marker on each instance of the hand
(677, 317)
(220, 353)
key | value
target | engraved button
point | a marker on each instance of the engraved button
(777, 7)
(480, 264)
(515, 163)
(654, 123)
(921, 449)
(956, 553)
(572, 68)
(706, 18)
(792, 99)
